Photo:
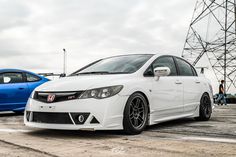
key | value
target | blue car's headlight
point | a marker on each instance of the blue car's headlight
(32, 95)
(101, 93)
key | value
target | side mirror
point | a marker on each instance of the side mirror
(63, 75)
(161, 71)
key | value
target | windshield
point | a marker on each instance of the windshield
(116, 65)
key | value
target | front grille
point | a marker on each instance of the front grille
(57, 117)
(51, 97)
(51, 118)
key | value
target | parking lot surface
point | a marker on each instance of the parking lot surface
(185, 137)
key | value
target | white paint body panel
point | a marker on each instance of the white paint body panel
(169, 98)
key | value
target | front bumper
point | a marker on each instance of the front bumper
(108, 113)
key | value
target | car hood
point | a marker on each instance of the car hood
(83, 82)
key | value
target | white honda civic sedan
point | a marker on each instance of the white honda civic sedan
(125, 92)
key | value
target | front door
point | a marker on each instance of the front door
(13, 91)
(167, 92)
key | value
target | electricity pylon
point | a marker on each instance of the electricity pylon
(212, 33)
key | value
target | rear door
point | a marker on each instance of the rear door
(167, 92)
(14, 91)
(33, 81)
(192, 85)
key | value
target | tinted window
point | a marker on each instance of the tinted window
(11, 78)
(1, 79)
(166, 62)
(119, 64)
(185, 69)
(31, 78)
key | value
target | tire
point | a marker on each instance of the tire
(19, 112)
(205, 108)
(135, 114)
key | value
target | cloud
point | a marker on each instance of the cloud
(33, 33)
(37, 31)
(13, 14)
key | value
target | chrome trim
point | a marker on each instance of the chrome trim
(57, 94)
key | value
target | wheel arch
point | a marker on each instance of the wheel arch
(209, 95)
(127, 126)
(146, 98)
(203, 116)
(205, 93)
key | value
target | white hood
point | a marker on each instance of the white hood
(82, 82)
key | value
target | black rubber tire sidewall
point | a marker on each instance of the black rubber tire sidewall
(203, 116)
(19, 112)
(128, 128)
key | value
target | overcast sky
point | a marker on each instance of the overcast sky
(34, 32)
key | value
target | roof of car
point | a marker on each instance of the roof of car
(150, 54)
(15, 70)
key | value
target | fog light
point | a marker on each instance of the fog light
(81, 118)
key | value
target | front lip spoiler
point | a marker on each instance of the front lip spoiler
(87, 129)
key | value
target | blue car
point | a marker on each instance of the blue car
(16, 87)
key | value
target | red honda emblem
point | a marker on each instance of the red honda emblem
(51, 97)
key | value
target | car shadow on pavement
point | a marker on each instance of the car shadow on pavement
(66, 134)
(10, 114)
(173, 123)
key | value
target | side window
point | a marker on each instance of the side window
(6, 78)
(31, 78)
(185, 68)
(1, 79)
(166, 62)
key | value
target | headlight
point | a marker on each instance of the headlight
(101, 93)
(32, 95)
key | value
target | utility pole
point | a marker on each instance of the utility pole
(64, 61)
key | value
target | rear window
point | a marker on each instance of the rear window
(32, 78)
(185, 69)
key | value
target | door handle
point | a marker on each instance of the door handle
(21, 88)
(197, 81)
(178, 82)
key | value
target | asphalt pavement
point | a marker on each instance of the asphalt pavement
(184, 137)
